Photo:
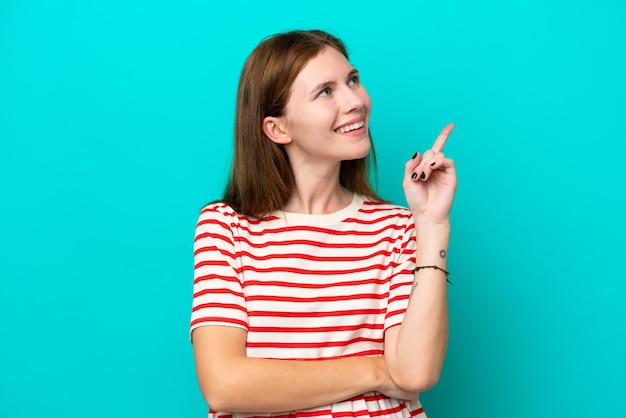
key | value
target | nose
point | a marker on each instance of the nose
(352, 100)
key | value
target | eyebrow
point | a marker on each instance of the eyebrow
(325, 84)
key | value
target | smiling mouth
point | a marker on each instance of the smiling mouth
(351, 127)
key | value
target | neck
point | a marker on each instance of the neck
(317, 191)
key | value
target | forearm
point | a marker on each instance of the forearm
(261, 385)
(231, 381)
(417, 351)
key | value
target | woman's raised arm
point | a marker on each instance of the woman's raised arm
(416, 349)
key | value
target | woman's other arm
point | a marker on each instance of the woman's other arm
(230, 381)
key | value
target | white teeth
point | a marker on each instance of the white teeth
(352, 127)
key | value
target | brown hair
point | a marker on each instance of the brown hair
(261, 178)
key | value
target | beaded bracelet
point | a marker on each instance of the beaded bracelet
(447, 273)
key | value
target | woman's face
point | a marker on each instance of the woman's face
(327, 115)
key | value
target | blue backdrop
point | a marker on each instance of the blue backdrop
(115, 128)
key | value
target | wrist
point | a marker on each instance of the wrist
(432, 244)
(379, 373)
(429, 234)
(428, 226)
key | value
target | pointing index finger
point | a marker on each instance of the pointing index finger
(442, 138)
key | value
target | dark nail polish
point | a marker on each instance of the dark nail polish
(423, 176)
(433, 163)
(414, 155)
(414, 176)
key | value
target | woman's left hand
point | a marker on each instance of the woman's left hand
(430, 182)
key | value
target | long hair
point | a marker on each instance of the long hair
(261, 178)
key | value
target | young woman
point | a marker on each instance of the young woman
(312, 296)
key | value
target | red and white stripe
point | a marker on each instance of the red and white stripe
(308, 287)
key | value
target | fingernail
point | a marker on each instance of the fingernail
(414, 176)
(423, 176)
(414, 155)
(433, 163)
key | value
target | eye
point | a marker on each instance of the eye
(353, 81)
(324, 92)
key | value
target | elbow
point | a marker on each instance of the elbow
(214, 398)
(416, 379)
(218, 394)
(216, 403)
(419, 384)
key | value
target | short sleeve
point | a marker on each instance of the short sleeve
(218, 297)
(402, 277)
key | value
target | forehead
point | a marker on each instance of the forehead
(327, 66)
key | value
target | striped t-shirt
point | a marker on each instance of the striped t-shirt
(308, 287)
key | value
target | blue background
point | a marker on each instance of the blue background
(115, 128)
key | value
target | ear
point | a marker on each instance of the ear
(274, 128)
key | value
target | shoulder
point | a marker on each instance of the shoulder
(220, 214)
(217, 210)
(384, 218)
(387, 210)
(217, 213)
(216, 220)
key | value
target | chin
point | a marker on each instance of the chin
(366, 149)
(361, 154)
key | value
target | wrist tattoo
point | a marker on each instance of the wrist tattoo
(442, 253)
